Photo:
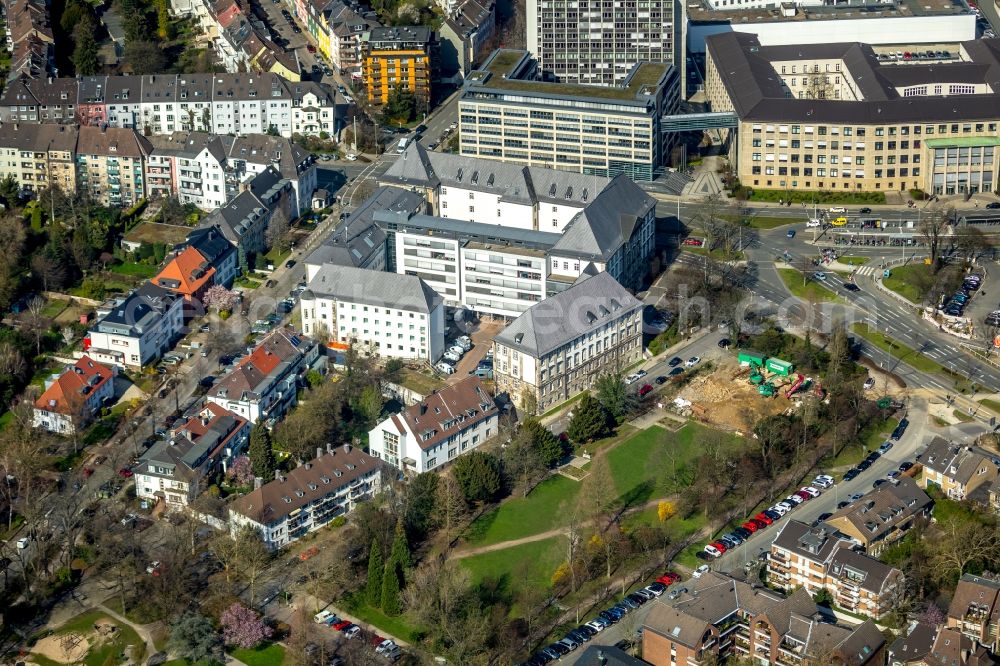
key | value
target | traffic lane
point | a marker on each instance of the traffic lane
(903, 451)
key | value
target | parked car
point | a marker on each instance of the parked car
(645, 390)
(885, 447)
(905, 466)
(675, 361)
(764, 518)
(693, 361)
(713, 550)
(900, 429)
(809, 490)
(22, 543)
(444, 368)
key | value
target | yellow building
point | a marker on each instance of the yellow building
(39, 155)
(404, 57)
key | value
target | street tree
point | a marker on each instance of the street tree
(260, 452)
(932, 231)
(252, 558)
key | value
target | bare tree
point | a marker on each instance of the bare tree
(252, 558)
(277, 230)
(932, 230)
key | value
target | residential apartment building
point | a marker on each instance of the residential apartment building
(718, 617)
(310, 496)
(221, 104)
(37, 156)
(250, 155)
(339, 27)
(357, 240)
(560, 346)
(882, 516)
(555, 224)
(110, 164)
(838, 117)
(190, 166)
(506, 114)
(975, 609)
(401, 57)
(243, 42)
(188, 274)
(587, 41)
(468, 27)
(28, 39)
(135, 330)
(71, 398)
(220, 254)
(175, 468)
(953, 648)
(911, 649)
(958, 471)
(435, 431)
(263, 386)
(819, 558)
(394, 316)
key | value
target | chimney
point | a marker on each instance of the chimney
(347, 448)
(279, 477)
(330, 448)
(319, 451)
(601, 659)
(257, 482)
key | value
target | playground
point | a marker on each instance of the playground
(92, 639)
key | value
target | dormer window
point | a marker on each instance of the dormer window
(313, 486)
(299, 493)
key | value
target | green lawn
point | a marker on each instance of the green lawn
(811, 291)
(246, 282)
(897, 349)
(397, 626)
(804, 196)
(765, 222)
(849, 456)
(541, 558)
(134, 270)
(853, 261)
(716, 254)
(678, 528)
(276, 258)
(985, 402)
(266, 655)
(54, 308)
(963, 417)
(903, 279)
(522, 516)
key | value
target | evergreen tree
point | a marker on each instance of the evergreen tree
(400, 547)
(612, 395)
(478, 475)
(373, 593)
(261, 454)
(590, 421)
(548, 446)
(391, 604)
(85, 54)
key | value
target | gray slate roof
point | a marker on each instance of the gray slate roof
(138, 311)
(557, 320)
(607, 223)
(356, 285)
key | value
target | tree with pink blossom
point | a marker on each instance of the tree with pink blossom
(243, 628)
(240, 471)
(220, 298)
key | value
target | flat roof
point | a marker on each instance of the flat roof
(702, 11)
(963, 141)
(497, 73)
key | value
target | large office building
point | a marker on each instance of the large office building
(588, 41)
(560, 346)
(843, 117)
(507, 114)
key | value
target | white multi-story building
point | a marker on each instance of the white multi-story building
(435, 431)
(189, 166)
(506, 114)
(588, 41)
(394, 316)
(72, 398)
(173, 469)
(223, 103)
(308, 497)
(264, 385)
(135, 330)
(559, 347)
(250, 155)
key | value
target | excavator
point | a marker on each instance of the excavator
(767, 390)
(799, 381)
(756, 374)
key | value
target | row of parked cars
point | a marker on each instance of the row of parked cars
(956, 305)
(606, 618)
(765, 518)
(383, 646)
(453, 354)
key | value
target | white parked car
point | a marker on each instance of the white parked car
(809, 490)
(794, 500)
(823, 481)
(693, 361)
(700, 571)
(635, 376)
(780, 508)
(596, 625)
(444, 368)
(869, 383)
(451, 356)
(712, 550)
(352, 631)
(22, 543)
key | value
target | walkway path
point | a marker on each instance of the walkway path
(140, 629)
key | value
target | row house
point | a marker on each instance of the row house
(438, 429)
(28, 38)
(958, 471)
(338, 26)
(238, 103)
(135, 330)
(110, 164)
(174, 469)
(263, 386)
(250, 155)
(308, 497)
(71, 399)
(719, 617)
(817, 558)
(189, 166)
(37, 156)
(928, 645)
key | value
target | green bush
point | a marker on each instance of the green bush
(918, 194)
(821, 197)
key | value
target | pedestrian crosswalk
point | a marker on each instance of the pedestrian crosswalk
(865, 270)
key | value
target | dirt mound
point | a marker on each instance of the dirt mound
(726, 399)
(64, 649)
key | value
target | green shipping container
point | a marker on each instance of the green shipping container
(751, 357)
(779, 367)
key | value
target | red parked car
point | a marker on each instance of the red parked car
(343, 624)
(803, 494)
(311, 48)
(645, 390)
(762, 517)
(125, 473)
(697, 242)
(668, 578)
(750, 525)
(719, 546)
(759, 523)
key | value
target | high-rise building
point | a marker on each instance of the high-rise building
(590, 41)
(401, 57)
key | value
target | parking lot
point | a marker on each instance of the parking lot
(482, 339)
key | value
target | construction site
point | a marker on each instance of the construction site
(744, 390)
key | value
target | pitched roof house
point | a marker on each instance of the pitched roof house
(71, 399)
(187, 274)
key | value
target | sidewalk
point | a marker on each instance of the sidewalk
(140, 629)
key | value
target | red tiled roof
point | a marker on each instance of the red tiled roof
(186, 273)
(61, 396)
